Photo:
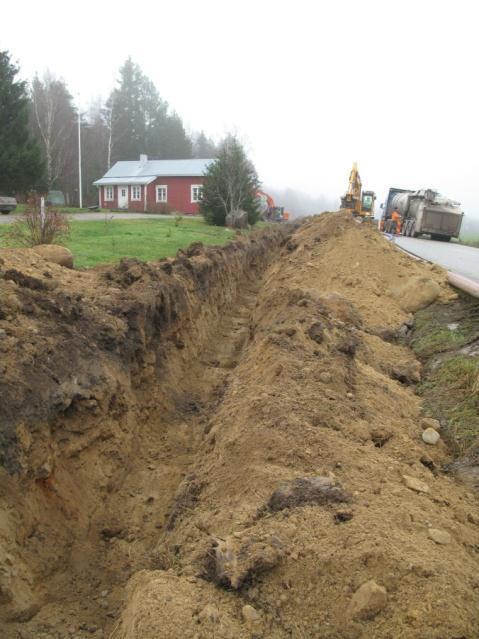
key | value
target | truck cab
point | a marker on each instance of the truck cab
(367, 203)
(7, 204)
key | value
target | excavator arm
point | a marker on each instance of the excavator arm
(361, 204)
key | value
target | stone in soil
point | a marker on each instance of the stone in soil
(430, 436)
(210, 613)
(440, 536)
(250, 615)
(429, 422)
(367, 601)
(415, 484)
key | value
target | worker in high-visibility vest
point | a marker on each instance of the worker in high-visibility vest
(396, 217)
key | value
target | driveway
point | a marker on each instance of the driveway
(92, 217)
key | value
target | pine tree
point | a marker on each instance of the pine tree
(21, 165)
(230, 183)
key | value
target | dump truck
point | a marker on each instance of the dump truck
(7, 204)
(423, 212)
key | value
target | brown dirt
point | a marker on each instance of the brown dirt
(236, 450)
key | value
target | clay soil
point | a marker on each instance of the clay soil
(228, 445)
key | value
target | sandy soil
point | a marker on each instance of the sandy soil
(228, 445)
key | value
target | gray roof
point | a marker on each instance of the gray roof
(136, 172)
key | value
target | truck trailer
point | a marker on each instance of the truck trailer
(423, 212)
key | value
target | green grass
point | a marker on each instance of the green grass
(446, 339)
(451, 391)
(438, 340)
(108, 241)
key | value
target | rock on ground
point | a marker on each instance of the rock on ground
(234, 561)
(54, 253)
(440, 536)
(237, 219)
(368, 601)
(430, 436)
(415, 484)
(416, 293)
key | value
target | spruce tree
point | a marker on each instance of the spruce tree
(230, 183)
(127, 119)
(204, 147)
(21, 165)
(141, 121)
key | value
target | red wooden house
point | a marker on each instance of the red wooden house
(153, 185)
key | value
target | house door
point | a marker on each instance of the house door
(122, 197)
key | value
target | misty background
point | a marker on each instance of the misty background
(309, 88)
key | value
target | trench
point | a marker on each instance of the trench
(182, 487)
(121, 524)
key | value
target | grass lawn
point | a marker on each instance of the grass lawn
(108, 241)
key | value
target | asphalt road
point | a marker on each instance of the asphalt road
(457, 258)
(92, 217)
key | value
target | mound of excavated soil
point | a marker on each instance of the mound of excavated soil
(248, 450)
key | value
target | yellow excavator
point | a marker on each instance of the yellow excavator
(359, 202)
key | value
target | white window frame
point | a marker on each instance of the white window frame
(199, 196)
(109, 193)
(157, 191)
(133, 191)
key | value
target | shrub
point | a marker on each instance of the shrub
(164, 209)
(32, 229)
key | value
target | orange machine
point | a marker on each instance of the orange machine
(268, 208)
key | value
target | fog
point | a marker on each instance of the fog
(310, 86)
(300, 203)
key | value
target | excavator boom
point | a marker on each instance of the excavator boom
(359, 203)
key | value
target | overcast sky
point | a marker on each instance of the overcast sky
(309, 87)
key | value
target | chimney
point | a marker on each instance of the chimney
(143, 159)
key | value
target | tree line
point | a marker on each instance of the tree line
(39, 128)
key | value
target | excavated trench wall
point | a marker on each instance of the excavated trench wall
(86, 358)
(309, 505)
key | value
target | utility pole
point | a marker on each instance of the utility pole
(80, 196)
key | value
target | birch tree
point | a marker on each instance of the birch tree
(54, 125)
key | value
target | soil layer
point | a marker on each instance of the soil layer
(228, 444)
